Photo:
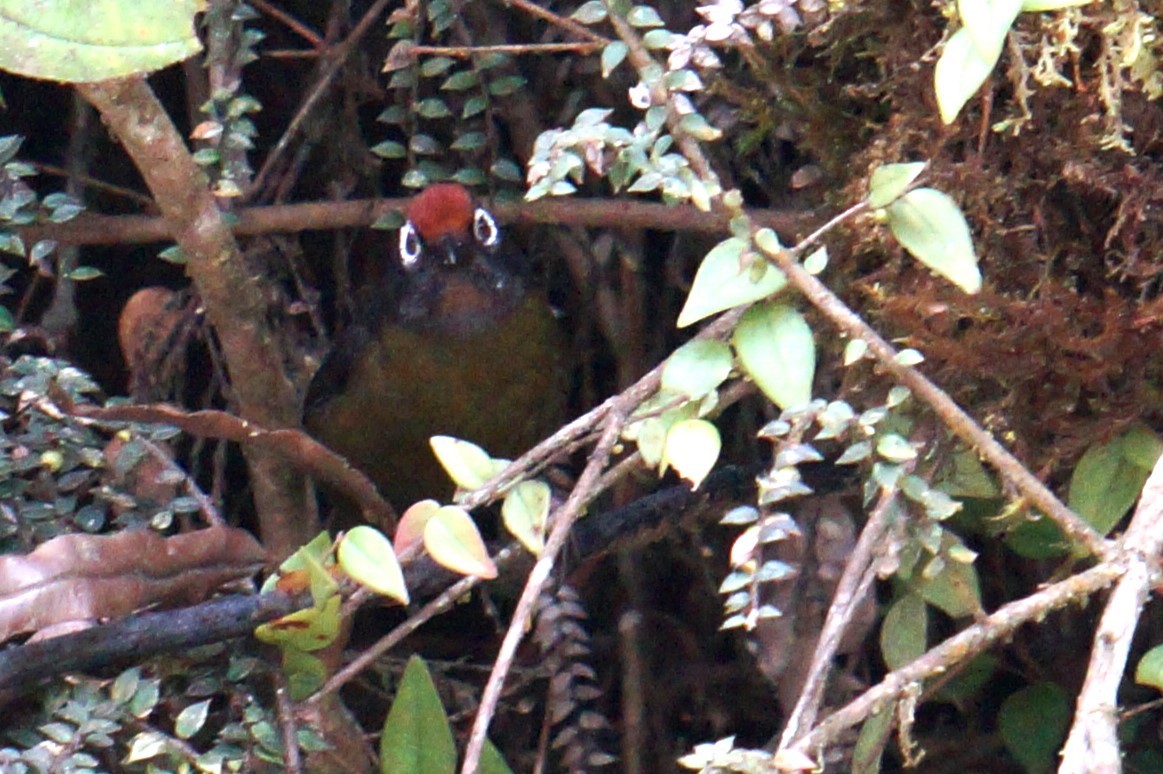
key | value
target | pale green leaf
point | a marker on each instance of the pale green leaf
(697, 367)
(82, 41)
(959, 73)
(692, 448)
(728, 277)
(612, 56)
(366, 555)
(1105, 484)
(191, 719)
(929, 224)
(776, 348)
(524, 512)
(889, 181)
(988, 22)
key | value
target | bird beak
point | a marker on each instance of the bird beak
(450, 246)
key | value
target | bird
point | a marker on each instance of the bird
(462, 343)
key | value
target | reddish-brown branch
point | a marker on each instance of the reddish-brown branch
(234, 302)
(95, 229)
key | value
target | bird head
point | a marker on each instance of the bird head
(458, 277)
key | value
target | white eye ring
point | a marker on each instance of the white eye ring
(409, 245)
(484, 228)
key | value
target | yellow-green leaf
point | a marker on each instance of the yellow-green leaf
(82, 41)
(775, 347)
(467, 464)
(366, 555)
(452, 540)
(692, 448)
(524, 511)
(730, 275)
(929, 224)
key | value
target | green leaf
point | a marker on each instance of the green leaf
(955, 588)
(7, 321)
(697, 367)
(460, 81)
(491, 760)
(389, 149)
(452, 540)
(1149, 670)
(644, 16)
(988, 22)
(889, 181)
(590, 12)
(929, 224)
(525, 511)
(1105, 483)
(1142, 447)
(416, 736)
(776, 348)
(1033, 723)
(728, 277)
(432, 107)
(510, 84)
(191, 719)
(437, 65)
(82, 41)
(870, 744)
(692, 448)
(84, 273)
(903, 634)
(612, 56)
(367, 557)
(959, 73)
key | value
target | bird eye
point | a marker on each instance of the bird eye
(409, 245)
(484, 228)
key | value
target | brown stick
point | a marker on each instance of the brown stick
(234, 301)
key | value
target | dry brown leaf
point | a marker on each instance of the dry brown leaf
(93, 577)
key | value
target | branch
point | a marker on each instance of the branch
(1093, 744)
(235, 303)
(93, 229)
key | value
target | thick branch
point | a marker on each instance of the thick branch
(233, 297)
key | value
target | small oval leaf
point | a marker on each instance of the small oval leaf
(452, 540)
(959, 73)
(692, 448)
(776, 348)
(366, 555)
(524, 512)
(697, 367)
(467, 464)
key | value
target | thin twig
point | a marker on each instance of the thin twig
(585, 490)
(467, 52)
(336, 58)
(959, 648)
(854, 584)
(560, 21)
